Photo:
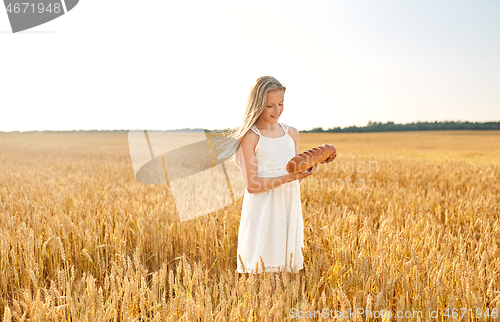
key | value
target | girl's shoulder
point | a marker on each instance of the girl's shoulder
(250, 138)
(289, 129)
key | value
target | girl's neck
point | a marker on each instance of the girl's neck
(262, 125)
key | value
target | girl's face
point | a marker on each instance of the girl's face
(274, 106)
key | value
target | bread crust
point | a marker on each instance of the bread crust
(309, 158)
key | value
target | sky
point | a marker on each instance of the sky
(159, 65)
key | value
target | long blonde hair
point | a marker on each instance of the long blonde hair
(255, 105)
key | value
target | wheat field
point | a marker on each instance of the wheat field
(402, 222)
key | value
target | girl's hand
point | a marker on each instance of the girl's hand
(306, 173)
(331, 158)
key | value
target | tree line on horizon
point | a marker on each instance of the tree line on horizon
(370, 127)
(418, 126)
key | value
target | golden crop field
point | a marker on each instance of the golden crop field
(402, 222)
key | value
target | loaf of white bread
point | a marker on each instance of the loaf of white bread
(309, 158)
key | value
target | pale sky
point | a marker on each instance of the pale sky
(162, 65)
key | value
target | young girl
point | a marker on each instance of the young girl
(271, 225)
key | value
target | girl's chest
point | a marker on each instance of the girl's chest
(276, 150)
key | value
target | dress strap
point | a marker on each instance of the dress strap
(285, 127)
(254, 128)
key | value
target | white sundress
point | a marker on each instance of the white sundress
(271, 224)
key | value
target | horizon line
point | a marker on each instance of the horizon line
(225, 129)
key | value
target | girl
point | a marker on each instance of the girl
(271, 226)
